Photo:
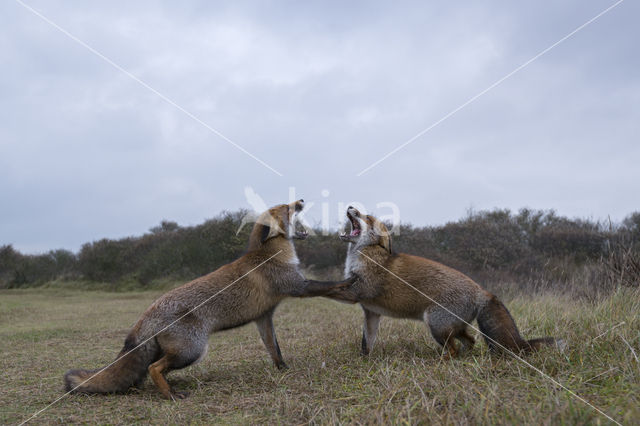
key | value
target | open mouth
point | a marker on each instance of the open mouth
(355, 228)
(300, 233)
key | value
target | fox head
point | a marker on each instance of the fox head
(278, 222)
(366, 230)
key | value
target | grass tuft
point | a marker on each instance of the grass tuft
(404, 380)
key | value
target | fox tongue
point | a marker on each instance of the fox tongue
(355, 232)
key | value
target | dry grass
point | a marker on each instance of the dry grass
(45, 332)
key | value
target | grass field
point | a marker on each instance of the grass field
(46, 331)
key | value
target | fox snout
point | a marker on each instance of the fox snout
(354, 218)
(299, 232)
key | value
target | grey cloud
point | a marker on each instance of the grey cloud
(318, 91)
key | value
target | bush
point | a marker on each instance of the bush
(532, 249)
(18, 270)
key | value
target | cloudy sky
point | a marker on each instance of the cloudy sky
(317, 92)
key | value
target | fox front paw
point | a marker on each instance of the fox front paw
(343, 295)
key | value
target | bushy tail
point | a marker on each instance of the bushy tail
(128, 371)
(496, 322)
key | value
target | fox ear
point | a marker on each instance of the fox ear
(268, 232)
(385, 237)
(272, 228)
(385, 242)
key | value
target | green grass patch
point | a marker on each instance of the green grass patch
(47, 331)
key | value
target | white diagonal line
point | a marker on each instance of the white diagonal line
(542, 373)
(611, 329)
(398, 148)
(145, 85)
(146, 340)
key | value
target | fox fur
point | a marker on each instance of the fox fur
(264, 276)
(449, 301)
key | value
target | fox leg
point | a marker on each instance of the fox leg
(369, 330)
(446, 340)
(344, 294)
(157, 371)
(312, 288)
(444, 329)
(268, 335)
(466, 340)
(182, 346)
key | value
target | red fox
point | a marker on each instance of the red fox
(265, 275)
(380, 291)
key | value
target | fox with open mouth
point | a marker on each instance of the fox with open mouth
(174, 331)
(446, 299)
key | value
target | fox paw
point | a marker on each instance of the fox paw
(179, 395)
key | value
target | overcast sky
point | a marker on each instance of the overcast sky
(318, 92)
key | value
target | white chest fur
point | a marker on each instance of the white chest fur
(291, 256)
(354, 262)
